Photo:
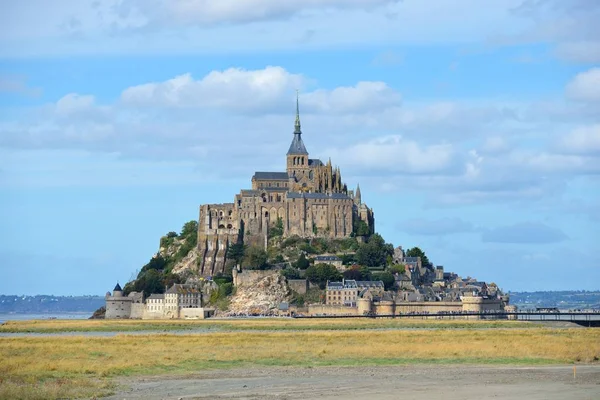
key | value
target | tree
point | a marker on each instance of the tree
(360, 228)
(417, 252)
(358, 273)
(397, 269)
(387, 278)
(255, 258)
(302, 263)
(277, 229)
(374, 252)
(150, 282)
(290, 273)
(157, 262)
(321, 273)
(236, 252)
(189, 228)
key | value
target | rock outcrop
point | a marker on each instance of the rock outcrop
(260, 295)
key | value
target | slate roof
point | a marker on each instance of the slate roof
(370, 284)
(118, 287)
(313, 162)
(155, 296)
(182, 289)
(271, 176)
(297, 146)
(347, 284)
(327, 258)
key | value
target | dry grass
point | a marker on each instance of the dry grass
(79, 361)
(59, 367)
(51, 326)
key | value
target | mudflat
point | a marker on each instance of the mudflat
(456, 382)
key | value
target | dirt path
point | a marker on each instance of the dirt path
(354, 383)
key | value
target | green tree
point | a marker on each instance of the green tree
(417, 252)
(321, 273)
(387, 278)
(255, 258)
(302, 262)
(277, 229)
(397, 269)
(374, 252)
(189, 228)
(360, 228)
(290, 273)
(236, 252)
(150, 282)
(358, 273)
(157, 262)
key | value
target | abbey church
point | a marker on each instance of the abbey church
(308, 199)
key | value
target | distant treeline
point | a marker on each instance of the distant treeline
(564, 299)
(49, 304)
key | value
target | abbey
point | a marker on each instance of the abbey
(308, 199)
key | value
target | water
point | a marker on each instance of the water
(25, 317)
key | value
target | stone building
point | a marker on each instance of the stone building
(119, 306)
(308, 199)
(180, 301)
(330, 259)
(348, 291)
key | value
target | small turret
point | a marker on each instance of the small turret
(357, 198)
(117, 291)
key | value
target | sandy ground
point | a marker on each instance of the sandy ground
(406, 382)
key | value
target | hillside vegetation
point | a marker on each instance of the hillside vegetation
(365, 257)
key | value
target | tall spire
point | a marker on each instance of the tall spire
(297, 123)
(297, 146)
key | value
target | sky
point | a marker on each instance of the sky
(472, 127)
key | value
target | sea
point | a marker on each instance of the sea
(24, 317)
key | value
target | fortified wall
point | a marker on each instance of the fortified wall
(364, 306)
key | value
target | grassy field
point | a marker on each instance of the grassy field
(67, 367)
(284, 324)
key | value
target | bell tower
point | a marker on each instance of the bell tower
(297, 156)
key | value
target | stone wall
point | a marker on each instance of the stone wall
(323, 309)
(195, 313)
(118, 307)
(137, 310)
(298, 285)
(428, 306)
(249, 276)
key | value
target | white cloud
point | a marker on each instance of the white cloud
(35, 28)
(210, 12)
(365, 96)
(234, 88)
(396, 154)
(581, 51)
(263, 90)
(585, 86)
(582, 140)
(495, 145)
(73, 103)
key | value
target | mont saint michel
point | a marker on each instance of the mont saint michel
(309, 199)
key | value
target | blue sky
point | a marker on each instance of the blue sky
(473, 127)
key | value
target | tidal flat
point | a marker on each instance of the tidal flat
(78, 366)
